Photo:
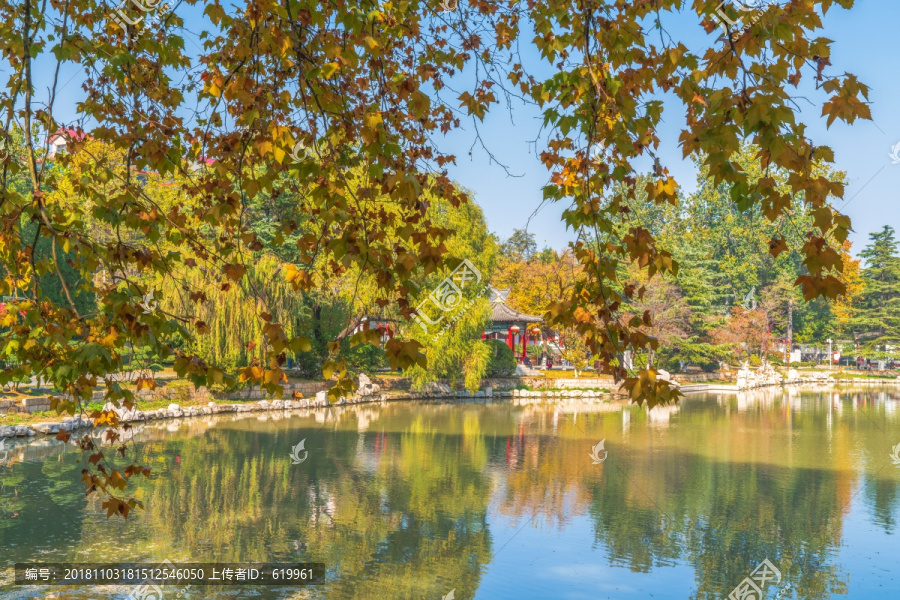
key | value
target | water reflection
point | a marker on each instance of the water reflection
(495, 501)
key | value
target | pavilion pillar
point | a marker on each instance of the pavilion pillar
(509, 339)
(524, 341)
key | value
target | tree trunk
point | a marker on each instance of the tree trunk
(317, 325)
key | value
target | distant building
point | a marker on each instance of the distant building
(58, 142)
(507, 324)
(387, 327)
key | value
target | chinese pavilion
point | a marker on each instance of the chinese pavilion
(510, 325)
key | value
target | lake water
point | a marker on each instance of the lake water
(415, 500)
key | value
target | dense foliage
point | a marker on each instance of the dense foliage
(502, 362)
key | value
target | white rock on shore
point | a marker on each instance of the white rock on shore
(371, 394)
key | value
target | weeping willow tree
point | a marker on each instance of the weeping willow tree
(453, 307)
(233, 320)
(455, 353)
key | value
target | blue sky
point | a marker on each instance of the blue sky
(865, 45)
(510, 193)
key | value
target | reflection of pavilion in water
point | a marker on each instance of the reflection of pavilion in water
(659, 416)
(322, 505)
(522, 444)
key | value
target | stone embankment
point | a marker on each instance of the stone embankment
(68, 424)
(766, 376)
(367, 392)
(396, 389)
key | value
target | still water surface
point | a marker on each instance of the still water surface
(496, 501)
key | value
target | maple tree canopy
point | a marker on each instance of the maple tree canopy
(193, 112)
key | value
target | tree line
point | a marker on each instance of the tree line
(732, 299)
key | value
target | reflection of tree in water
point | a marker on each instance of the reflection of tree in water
(882, 496)
(394, 499)
(33, 496)
(403, 530)
(11, 503)
(792, 517)
(766, 484)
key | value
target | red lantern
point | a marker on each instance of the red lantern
(536, 330)
(514, 329)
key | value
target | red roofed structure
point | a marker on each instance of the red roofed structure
(58, 141)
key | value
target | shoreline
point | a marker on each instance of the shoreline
(83, 423)
(818, 383)
(373, 393)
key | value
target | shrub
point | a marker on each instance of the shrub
(502, 363)
(156, 367)
(533, 352)
(308, 365)
(703, 355)
(179, 389)
(364, 358)
(755, 361)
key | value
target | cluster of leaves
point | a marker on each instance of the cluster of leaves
(605, 95)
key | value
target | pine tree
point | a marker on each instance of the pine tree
(877, 315)
(521, 245)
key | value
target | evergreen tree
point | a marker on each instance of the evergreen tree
(521, 245)
(697, 280)
(877, 315)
